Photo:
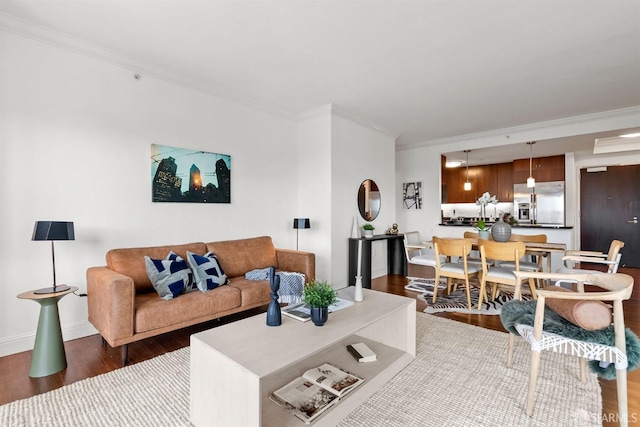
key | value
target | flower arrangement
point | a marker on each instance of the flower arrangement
(485, 199)
(509, 219)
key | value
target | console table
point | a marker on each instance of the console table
(396, 261)
(235, 367)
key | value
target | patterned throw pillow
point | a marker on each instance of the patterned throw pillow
(170, 276)
(207, 272)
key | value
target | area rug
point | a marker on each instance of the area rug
(456, 302)
(457, 379)
(424, 286)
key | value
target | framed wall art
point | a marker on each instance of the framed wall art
(412, 195)
(189, 176)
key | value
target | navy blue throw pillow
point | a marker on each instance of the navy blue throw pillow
(169, 277)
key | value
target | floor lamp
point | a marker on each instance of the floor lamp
(53, 230)
(299, 223)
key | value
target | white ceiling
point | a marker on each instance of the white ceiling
(420, 70)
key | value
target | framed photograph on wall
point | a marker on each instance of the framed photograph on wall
(189, 176)
(412, 195)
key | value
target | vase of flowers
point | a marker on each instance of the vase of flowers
(483, 201)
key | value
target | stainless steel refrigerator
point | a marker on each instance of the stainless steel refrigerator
(542, 204)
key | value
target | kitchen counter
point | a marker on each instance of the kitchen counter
(547, 226)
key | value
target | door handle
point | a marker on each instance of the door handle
(634, 220)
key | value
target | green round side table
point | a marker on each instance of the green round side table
(48, 351)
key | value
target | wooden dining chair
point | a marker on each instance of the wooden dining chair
(524, 264)
(614, 287)
(500, 252)
(474, 259)
(460, 271)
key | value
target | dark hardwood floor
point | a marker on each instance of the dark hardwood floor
(89, 356)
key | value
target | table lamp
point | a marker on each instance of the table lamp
(53, 230)
(299, 223)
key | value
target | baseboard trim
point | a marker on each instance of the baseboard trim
(20, 343)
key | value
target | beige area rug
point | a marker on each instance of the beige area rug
(457, 379)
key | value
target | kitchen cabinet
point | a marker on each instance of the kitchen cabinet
(505, 182)
(544, 169)
(487, 180)
(495, 179)
(453, 180)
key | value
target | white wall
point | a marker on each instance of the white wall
(75, 136)
(330, 176)
(359, 152)
(314, 188)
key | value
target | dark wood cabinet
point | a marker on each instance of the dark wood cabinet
(498, 179)
(486, 180)
(544, 169)
(505, 182)
(453, 185)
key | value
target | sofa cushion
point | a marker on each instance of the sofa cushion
(130, 261)
(206, 271)
(239, 256)
(591, 315)
(153, 313)
(253, 291)
(170, 276)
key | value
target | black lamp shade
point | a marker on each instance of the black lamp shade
(53, 230)
(301, 223)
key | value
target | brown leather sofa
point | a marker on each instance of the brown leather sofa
(124, 307)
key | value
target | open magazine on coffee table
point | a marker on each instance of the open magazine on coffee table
(301, 312)
(315, 391)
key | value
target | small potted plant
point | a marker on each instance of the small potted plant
(483, 229)
(368, 230)
(319, 295)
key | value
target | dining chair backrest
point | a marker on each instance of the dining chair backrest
(536, 238)
(470, 235)
(450, 247)
(411, 243)
(614, 255)
(502, 251)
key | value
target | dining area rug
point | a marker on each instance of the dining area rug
(458, 378)
(456, 302)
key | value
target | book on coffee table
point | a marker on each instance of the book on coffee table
(315, 391)
(301, 312)
(361, 352)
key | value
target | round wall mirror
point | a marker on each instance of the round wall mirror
(369, 200)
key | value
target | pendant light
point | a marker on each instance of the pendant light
(531, 182)
(467, 184)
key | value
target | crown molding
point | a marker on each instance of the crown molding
(332, 109)
(367, 123)
(628, 117)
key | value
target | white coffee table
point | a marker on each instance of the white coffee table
(235, 367)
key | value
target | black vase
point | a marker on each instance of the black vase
(319, 315)
(274, 315)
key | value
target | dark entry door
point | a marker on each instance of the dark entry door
(610, 209)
